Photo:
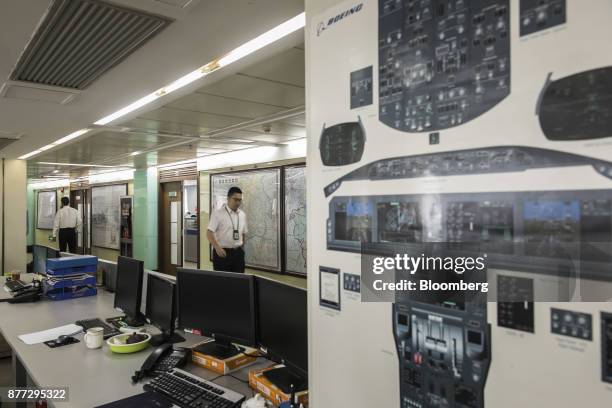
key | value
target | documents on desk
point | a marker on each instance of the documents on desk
(50, 334)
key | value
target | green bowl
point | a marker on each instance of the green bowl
(117, 344)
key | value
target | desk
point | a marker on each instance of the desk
(94, 376)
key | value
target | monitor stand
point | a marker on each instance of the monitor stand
(162, 338)
(283, 378)
(220, 350)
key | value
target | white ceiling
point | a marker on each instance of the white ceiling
(268, 83)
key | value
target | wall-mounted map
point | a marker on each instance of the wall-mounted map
(295, 219)
(105, 215)
(260, 202)
(47, 206)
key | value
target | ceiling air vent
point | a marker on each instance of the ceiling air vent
(177, 174)
(79, 40)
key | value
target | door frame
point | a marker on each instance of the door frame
(83, 200)
(161, 244)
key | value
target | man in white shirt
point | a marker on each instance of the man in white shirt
(66, 222)
(226, 233)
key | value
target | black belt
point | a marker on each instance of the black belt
(232, 249)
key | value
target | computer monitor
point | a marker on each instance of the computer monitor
(161, 309)
(52, 253)
(219, 305)
(282, 331)
(128, 292)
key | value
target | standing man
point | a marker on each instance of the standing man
(67, 221)
(226, 233)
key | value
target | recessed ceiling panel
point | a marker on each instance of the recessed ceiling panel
(287, 67)
(257, 90)
(165, 126)
(219, 105)
(102, 146)
(206, 120)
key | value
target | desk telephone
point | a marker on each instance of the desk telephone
(162, 360)
(26, 294)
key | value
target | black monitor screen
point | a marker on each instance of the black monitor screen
(128, 291)
(217, 303)
(282, 323)
(160, 303)
(52, 253)
(39, 258)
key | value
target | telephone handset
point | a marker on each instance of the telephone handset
(27, 294)
(163, 359)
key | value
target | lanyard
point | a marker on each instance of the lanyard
(232, 220)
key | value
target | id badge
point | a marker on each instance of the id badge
(236, 235)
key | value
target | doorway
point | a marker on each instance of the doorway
(79, 200)
(171, 227)
(190, 224)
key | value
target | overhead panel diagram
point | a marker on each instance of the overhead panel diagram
(441, 63)
(578, 107)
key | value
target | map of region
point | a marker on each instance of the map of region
(260, 202)
(105, 215)
(295, 219)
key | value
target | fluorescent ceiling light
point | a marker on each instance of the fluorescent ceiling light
(184, 81)
(37, 184)
(242, 51)
(257, 43)
(80, 165)
(112, 176)
(58, 142)
(26, 156)
(131, 107)
(264, 40)
(71, 136)
(182, 163)
(136, 153)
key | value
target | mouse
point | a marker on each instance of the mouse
(63, 339)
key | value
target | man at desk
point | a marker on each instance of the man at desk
(66, 222)
(226, 233)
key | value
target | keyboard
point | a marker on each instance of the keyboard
(89, 323)
(15, 285)
(189, 391)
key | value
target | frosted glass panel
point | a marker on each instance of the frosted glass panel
(174, 211)
(174, 254)
(173, 233)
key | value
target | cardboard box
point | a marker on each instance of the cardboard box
(223, 366)
(272, 393)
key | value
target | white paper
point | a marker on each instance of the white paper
(51, 334)
(330, 287)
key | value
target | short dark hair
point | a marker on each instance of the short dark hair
(65, 201)
(233, 190)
